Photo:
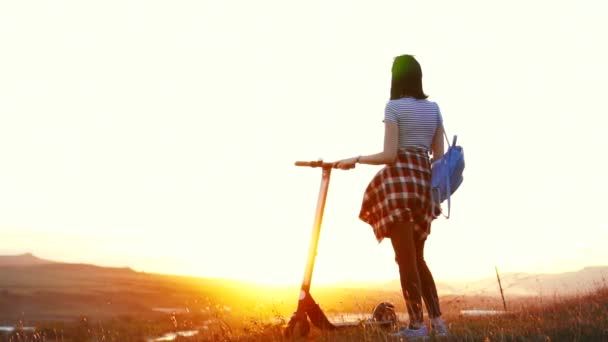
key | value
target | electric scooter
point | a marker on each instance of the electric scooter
(383, 314)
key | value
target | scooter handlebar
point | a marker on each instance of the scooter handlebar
(318, 163)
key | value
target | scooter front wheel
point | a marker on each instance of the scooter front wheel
(298, 326)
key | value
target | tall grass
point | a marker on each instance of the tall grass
(579, 318)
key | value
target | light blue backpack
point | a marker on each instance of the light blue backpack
(447, 173)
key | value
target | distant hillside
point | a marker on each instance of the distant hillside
(22, 260)
(578, 282)
(63, 291)
(41, 290)
(38, 289)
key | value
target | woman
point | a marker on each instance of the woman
(397, 202)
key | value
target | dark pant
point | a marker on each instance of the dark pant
(416, 278)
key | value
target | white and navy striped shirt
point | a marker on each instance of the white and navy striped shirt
(417, 121)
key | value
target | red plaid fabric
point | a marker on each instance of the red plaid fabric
(400, 193)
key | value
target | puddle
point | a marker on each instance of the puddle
(173, 335)
(476, 312)
(5, 328)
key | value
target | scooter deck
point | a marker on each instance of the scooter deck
(366, 323)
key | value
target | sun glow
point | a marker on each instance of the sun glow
(165, 141)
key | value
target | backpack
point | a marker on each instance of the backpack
(447, 173)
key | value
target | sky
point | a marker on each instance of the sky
(161, 135)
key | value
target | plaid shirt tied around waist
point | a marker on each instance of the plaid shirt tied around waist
(400, 192)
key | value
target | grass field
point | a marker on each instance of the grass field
(582, 318)
(78, 303)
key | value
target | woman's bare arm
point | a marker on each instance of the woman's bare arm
(437, 144)
(387, 156)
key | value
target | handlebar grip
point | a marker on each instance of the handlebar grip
(318, 163)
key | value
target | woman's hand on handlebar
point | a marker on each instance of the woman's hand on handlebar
(346, 164)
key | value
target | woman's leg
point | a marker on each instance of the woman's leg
(429, 290)
(402, 239)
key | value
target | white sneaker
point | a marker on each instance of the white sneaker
(439, 328)
(412, 334)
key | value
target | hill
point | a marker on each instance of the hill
(36, 289)
(577, 282)
(26, 259)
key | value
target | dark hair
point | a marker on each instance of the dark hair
(406, 78)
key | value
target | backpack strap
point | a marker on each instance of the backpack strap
(445, 134)
(447, 175)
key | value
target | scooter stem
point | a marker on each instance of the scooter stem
(316, 228)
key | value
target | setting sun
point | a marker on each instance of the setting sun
(148, 190)
(170, 147)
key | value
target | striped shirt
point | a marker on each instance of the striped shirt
(417, 121)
